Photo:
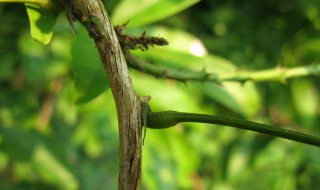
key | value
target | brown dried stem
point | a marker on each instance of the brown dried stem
(95, 18)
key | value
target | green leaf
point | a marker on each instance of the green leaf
(175, 158)
(142, 12)
(18, 149)
(89, 76)
(41, 23)
(222, 96)
(182, 53)
(52, 170)
(246, 95)
(305, 96)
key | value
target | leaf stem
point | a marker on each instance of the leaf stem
(165, 119)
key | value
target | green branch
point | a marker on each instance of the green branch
(276, 74)
(164, 72)
(165, 119)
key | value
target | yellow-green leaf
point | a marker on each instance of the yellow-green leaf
(41, 23)
(142, 12)
(51, 170)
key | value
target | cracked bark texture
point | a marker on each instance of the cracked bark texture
(127, 101)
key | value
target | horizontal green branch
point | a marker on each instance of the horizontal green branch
(164, 72)
(165, 119)
(276, 74)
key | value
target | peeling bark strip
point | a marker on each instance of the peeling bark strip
(92, 14)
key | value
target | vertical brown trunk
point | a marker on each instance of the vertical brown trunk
(127, 102)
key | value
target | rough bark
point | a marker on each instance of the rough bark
(127, 102)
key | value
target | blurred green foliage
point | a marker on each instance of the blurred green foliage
(49, 142)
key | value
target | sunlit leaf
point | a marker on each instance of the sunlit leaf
(305, 97)
(242, 99)
(221, 95)
(142, 12)
(41, 23)
(166, 166)
(246, 95)
(52, 170)
(309, 48)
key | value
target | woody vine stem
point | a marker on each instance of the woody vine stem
(93, 16)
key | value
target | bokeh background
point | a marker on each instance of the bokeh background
(53, 137)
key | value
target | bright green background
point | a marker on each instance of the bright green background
(47, 141)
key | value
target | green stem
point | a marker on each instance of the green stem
(165, 119)
(164, 72)
(276, 74)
